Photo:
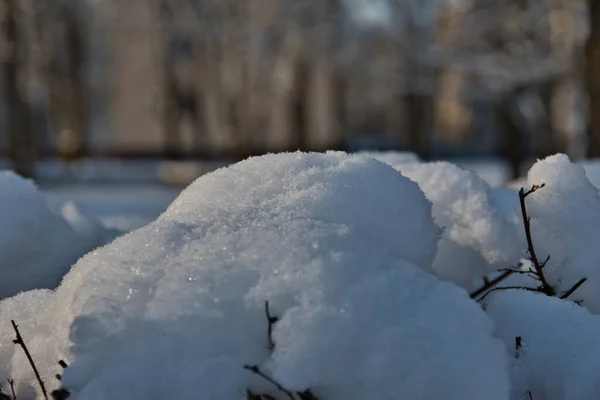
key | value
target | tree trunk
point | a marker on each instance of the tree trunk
(21, 145)
(592, 75)
(547, 142)
(419, 118)
(513, 146)
(76, 53)
(299, 109)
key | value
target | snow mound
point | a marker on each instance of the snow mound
(37, 246)
(479, 235)
(592, 170)
(559, 357)
(565, 216)
(90, 231)
(392, 158)
(339, 245)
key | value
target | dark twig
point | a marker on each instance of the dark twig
(64, 366)
(61, 394)
(530, 395)
(518, 345)
(509, 288)
(573, 288)
(19, 340)
(253, 396)
(545, 286)
(11, 384)
(272, 320)
(307, 395)
(490, 284)
(530, 273)
(256, 371)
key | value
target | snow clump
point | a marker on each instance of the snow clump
(37, 246)
(340, 246)
(478, 238)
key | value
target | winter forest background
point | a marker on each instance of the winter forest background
(224, 79)
(449, 251)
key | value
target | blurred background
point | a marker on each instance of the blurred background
(163, 90)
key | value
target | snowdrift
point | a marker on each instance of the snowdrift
(340, 246)
(37, 246)
(363, 265)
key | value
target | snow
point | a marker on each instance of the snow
(565, 216)
(122, 207)
(479, 237)
(560, 354)
(89, 231)
(341, 246)
(37, 246)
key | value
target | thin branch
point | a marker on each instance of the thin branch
(60, 394)
(19, 340)
(529, 273)
(490, 284)
(256, 371)
(508, 288)
(272, 321)
(11, 383)
(573, 288)
(518, 345)
(533, 189)
(64, 366)
(545, 286)
(307, 395)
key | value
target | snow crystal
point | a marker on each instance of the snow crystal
(559, 353)
(37, 246)
(565, 216)
(339, 245)
(479, 237)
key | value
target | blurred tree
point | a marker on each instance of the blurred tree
(592, 75)
(21, 143)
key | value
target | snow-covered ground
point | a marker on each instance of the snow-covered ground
(367, 261)
(123, 206)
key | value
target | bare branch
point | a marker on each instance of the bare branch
(19, 340)
(538, 289)
(545, 287)
(11, 383)
(256, 371)
(573, 288)
(272, 321)
(490, 284)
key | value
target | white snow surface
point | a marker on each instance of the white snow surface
(339, 245)
(565, 216)
(559, 357)
(479, 235)
(37, 246)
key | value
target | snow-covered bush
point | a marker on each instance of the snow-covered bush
(339, 245)
(478, 237)
(565, 216)
(37, 246)
(557, 355)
